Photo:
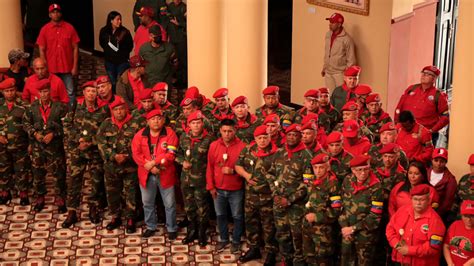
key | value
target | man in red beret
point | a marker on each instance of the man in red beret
(154, 151)
(339, 52)
(361, 92)
(188, 106)
(245, 122)
(202, 103)
(416, 232)
(271, 96)
(340, 158)
(14, 157)
(291, 164)
(413, 138)
(466, 185)
(310, 105)
(160, 98)
(328, 115)
(84, 154)
(146, 105)
(375, 117)
(313, 137)
(354, 143)
(277, 136)
(222, 110)
(104, 90)
(254, 161)
(114, 139)
(146, 15)
(428, 104)
(131, 82)
(42, 122)
(58, 90)
(59, 46)
(346, 92)
(362, 201)
(388, 134)
(457, 248)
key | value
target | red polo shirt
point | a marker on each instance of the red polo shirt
(142, 36)
(460, 241)
(416, 144)
(58, 40)
(58, 90)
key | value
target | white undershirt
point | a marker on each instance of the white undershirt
(435, 178)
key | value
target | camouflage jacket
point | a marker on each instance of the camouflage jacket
(33, 121)
(207, 108)
(362, 204)
(11, 124)
(170, 112)
(194, 150)
(182, 125)
(328, 118)
(246, 127)
(325, 121)
(324, 199)
(258, 166)
(376, 157)
(286, 174)
(466, 187)
(365, 131)
(216, 116)
(113, 141)
(374, 123)
(340, 164)
(286, 114)
(390, 178)
(138, 115)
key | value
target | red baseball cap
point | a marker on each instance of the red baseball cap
(240, 100)
(220, 93)
(334, 136)
(320, 159)
(350, 128)
(336, 18)
(359, 160)
(431, 70)
(153, 113)
(271, 90)
(440, 153)
(467, 207)
(160, 86)
(145, 94)
(312, 93)
(146, 11)
(54, 7)
(373, 97)
(196, 115)
(260, 130)
(7, 83)
(421, 189)
(352, 71)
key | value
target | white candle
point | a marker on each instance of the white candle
(224, 156)
(308, 204)
(251, 162)
(188, 153)
(163, 161)
(84, 132)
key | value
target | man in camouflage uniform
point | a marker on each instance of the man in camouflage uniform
(86, 119)
(271, 96)
(222, 110)
(340, 158)
(245, 122)
(146, 105)
(375, 117)
(362, 199)
(160, 98)
(291, 164)
(42, 122)
(202, 103)
(253, 164)
(277, 137)
(328, 115)
(350, 112)
(114, 140)
(322, 210)
(192, 155)
(14, 159)
(312, 136)
(189, 106)
(310, 105)
(388, 134)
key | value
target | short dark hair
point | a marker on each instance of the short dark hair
(406, 116)
(227, 122)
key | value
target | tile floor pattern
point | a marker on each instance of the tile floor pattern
(30, 238)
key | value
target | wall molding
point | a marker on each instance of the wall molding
(424, 4)
(403, 17)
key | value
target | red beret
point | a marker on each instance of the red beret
(313, 93)
(271, 90)
(90, 83)
(323, 91)
(320, 158)
(117, 102)
(146, 11)
(293, 127)
(440, 153)
(186, 101)
(334, 136)
(222, 92)
(43, 84)
(336, 18)
(153, 113)
(387, 127)
(145, 94)
(240, 100)
(421, 189)
(271, 118)
(352, 71)
(373, 97)
(54, 7)
(467, 207)
(260, 130)
(196, 115)
(470, 161)
(192, 92)
(350, 128)
(359, 160)
(136, 61)
(432, 69)
(160, 86)
(363, 89)
(102, 79)
(390, 148)
(310, 121)
(350, 106)
(7, 83)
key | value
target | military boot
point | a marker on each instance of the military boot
(191, 234)
(94, 215)
(252, 254)
(70, 220)
(203, 235)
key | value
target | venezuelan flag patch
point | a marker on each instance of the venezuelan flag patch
(171, 148)
(377, 207)
(307, 177)
(336, 201)
(286, 123)
(436, 241)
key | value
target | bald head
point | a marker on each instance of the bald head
(40, 68)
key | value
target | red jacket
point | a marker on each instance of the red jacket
(446, 188)
(361, 147)
(215, 161)
(399, 198)
(163, 154)
(58, 89)
(416, 144)
(423, 235)
(430, 107)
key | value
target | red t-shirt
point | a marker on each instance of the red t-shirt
(460, 241)
(58, 39)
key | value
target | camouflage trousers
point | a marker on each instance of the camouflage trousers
(120, 187)
(318, 241)
(14, 168)
(288, 222)
(259, 222)
(80, 163)
(49, 158)
(360, 250)
(196, 205)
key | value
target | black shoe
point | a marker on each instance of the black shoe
(61, 205)
(172, 236)
(70, 220)
(270, 260)
(5, 197)
(191, 234)
(24, 198)
(130, 228)
(147, 233)
(94, 215)
(202, 235)
(39, 204)
(251, 254)
(183, 223)
(115, 223)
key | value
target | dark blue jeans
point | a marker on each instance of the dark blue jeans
(113, 71)
(236, 201)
